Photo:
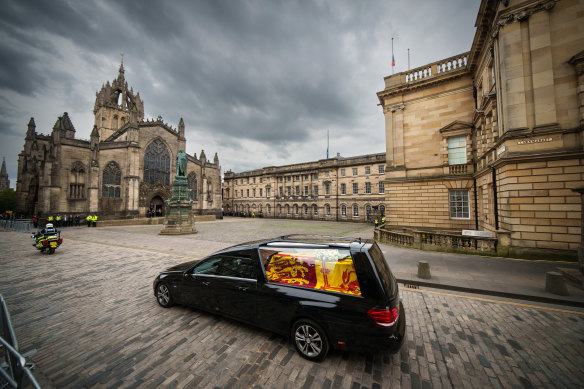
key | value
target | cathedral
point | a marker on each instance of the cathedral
(124, 170)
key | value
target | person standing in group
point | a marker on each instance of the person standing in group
(64, 222)
(376, 222)
(50, 219)
(35, 222)
(383, 220)
(94, 219)
(77, 220)
(89, 219)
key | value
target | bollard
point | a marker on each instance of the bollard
(424, 270)
(555, 283)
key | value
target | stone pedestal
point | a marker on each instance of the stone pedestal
(179, 217)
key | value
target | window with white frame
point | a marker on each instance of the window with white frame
(457, 150)
(289, 190)
(343, 189)
(459, 204)
(315, 210)
(381, 169)
(355, 210)
(297, 189)
(381, 187)
(343, 210)
(268, 209)
(367, 169)
(327, 210)
(287, 209)
(295, 209)
(342, 172)
(315, 190)
(305, 190)
(367, 188)
(327, 188)
(267, 192)
(305, 210)
(354, 171)
(355, 188)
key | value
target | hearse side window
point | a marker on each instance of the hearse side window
(324, 269)
(210, 266)
(228, 267)
(237, 267)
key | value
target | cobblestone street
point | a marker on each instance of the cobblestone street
(90, 312)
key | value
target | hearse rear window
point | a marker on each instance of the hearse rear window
(324, 269)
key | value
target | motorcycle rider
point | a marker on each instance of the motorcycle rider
(49, 229)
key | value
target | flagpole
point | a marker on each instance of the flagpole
(327, 143)
(408, 59)
(392, 57)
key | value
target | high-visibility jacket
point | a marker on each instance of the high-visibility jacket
(88, 218)
(94, 218)
(383, 220)
(58, 218)
(50, 218)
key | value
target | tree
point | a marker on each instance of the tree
(7, 200)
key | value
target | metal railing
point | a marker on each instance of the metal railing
(18, 225)
(15, 372)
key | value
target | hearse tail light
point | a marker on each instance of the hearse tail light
(383, 317)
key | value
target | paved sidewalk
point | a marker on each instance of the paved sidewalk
(504, 277)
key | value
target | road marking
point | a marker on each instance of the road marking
(135, 249)
(495, 301)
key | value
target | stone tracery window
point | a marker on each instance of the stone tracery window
(77, 181)
(193, 186)
(111, 185)
(157, 163)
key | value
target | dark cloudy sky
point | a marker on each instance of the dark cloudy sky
(258, 82)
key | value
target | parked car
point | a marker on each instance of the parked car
(322, 292)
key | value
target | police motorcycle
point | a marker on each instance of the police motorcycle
(48, 239)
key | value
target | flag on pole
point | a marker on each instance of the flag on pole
(392, 60)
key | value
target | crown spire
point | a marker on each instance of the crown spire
(121, 71)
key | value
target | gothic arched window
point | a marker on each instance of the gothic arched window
(111, 183)
(77, 181)
(157, 163)
(193, 189)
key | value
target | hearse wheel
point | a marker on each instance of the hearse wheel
(163, 295)
(310, 340)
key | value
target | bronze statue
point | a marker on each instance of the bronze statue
(181, 163)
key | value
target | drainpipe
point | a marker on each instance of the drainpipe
(495, 201)
(476, 204)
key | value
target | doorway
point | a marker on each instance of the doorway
(157, 206)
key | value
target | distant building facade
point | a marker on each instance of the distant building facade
(4, 181)
(492, 139)
(339, 189)
(125, 170)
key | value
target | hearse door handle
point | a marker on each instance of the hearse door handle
(206, 283)
(242, 289)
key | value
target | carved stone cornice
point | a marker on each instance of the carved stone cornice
(519, 14)
(578, 62)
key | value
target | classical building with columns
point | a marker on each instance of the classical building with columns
(124, 170)
(339, 189)
(492, 139)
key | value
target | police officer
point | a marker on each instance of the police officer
(383, 220)
(89, 219)
(50, 220)
(94, 219)
(376, 222)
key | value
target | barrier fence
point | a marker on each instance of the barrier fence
(15, 372)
